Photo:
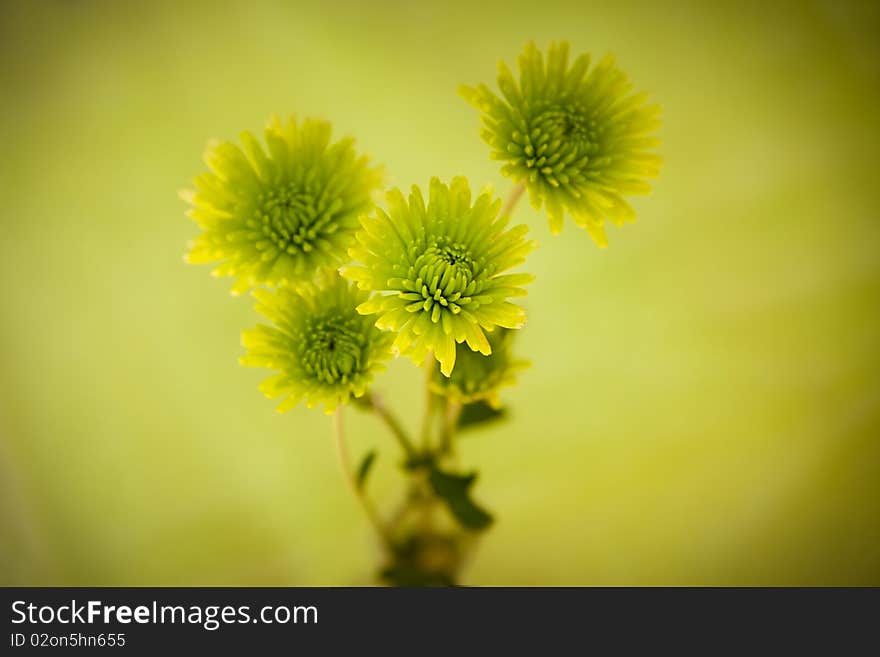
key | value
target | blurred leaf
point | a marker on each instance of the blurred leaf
(418, 461)
(363, 470)
(478, 414)
(454, 489)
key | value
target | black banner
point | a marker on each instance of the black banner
(561, 620)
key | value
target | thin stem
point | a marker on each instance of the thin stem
(512, 199)
(430, 405)
(452, 411)
(393, 425)
(345, 463)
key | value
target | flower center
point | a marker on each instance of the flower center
(444, 276)
(291, 218)
(572, 124)
(331, 349)
(576, 127)
(564, 143)
(454, 255)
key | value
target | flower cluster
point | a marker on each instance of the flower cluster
(577, 138)
(280, 216)
(433, 277)
(324, 350)
(439, 268)
(345, 285)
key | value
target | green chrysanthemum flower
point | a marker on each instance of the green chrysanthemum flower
(279, 217)
(578, 141)
(477, 377)
(442, 265)
(324, 350)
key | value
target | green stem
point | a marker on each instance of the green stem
(393, 425)
(451, 413)
(512, 199)
(430, 405)
(426, 420)
(345, 463)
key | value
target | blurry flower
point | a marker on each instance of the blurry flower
(477, 377)
(280, 216)
(578, 141)
(324, 350)
(442, 264)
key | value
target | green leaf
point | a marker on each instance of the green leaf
(418, 462)
(364, 469)
(454, 490)
(478, 414)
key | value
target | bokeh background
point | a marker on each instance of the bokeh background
(704, 405)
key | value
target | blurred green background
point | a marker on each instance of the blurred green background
(704, 405)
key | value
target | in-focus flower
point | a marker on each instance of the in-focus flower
(441, 265)
(280, 216)
(324, 350)
(477, 377)
(579, 141)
